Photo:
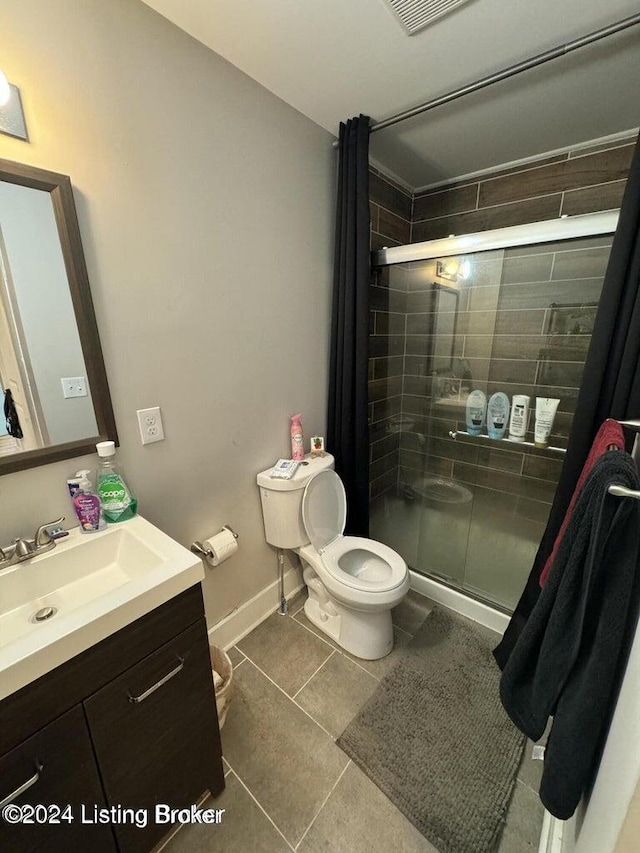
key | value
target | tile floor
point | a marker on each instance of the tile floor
(288, 786)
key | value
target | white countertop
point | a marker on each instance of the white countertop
(99, 583)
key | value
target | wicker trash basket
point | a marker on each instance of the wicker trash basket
(222, 664)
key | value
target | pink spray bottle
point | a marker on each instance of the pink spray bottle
(297, 441)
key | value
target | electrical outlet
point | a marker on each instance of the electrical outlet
(74, 386)
(150, 423)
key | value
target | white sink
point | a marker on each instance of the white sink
(95, 585)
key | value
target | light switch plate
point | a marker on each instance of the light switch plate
(150, 423)
(74, 386)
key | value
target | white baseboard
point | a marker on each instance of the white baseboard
(552, 835)
(245, 618)
(459, 602)
(230, 630)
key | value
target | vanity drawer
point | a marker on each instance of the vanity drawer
(155, 734)
(59, 763)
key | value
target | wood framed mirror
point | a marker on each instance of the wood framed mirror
(50, 354)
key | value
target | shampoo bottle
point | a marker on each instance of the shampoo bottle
(476, 410)
(118, 504)
(297, 440)
(497, 415)
(519, 417)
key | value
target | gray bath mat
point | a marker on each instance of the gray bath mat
(436, 740)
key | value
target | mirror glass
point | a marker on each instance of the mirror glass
(54, 394)
(41, 359)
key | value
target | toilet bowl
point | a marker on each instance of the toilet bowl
(353, 582)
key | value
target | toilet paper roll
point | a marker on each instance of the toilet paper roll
(222, 545)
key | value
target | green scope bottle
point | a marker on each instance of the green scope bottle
(118, 504)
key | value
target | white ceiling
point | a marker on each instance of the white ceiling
(332, 59)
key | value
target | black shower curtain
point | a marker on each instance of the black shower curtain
(347, 424)
(610, 384)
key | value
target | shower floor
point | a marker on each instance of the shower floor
(483, 547)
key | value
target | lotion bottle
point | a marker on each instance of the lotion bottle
(519, 417)
(546, 408)
(476, 411)
(497, 415)
(297, 439)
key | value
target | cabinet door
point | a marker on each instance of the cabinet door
(56, 766)
(156, 737)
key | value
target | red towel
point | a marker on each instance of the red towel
(610, 433)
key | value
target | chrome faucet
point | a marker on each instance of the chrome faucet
(24, 549)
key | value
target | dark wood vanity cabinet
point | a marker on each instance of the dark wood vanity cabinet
(157, 747)
(128, 724)
(59, 767)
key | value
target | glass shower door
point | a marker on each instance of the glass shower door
(468, 510)
(453, 338)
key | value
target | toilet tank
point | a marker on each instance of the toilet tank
(282, 502)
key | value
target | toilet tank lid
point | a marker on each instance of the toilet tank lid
(300, 479)
(324, 509)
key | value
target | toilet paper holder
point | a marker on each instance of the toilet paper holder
(199, 549)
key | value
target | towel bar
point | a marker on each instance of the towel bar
(623, 492)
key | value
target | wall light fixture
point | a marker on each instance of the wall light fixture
(5, 90)
(11, 114)
(454, 269)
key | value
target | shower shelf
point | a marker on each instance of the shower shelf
(515, 444)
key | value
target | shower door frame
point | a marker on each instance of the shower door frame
(547, 231)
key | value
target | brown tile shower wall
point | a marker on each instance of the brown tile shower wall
(581, 181)
(390, 207)
(504, 331)
(523, 326)
(514, 335)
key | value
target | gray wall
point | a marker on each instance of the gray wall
(206, 209)
(39, 280)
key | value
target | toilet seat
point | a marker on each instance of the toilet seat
(374, 567)
(324, 509)
(361, 564)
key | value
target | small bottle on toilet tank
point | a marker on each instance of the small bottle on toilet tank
(297, 439)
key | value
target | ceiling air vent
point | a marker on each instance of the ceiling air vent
(416, 14)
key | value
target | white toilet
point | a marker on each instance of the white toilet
(353, 582)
